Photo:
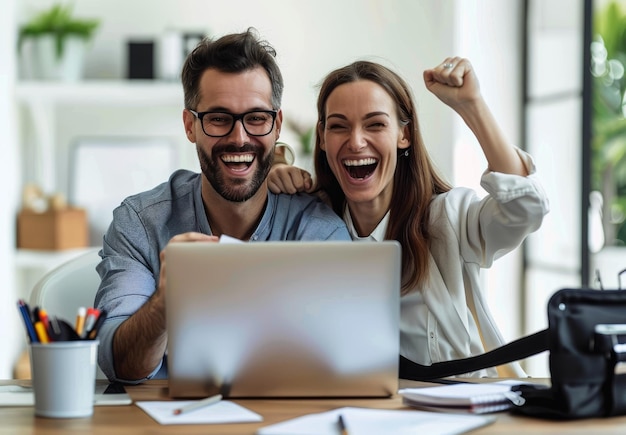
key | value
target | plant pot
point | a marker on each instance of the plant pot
(40, 60)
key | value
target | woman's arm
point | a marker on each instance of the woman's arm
(457, 86)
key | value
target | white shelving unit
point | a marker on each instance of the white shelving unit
(44, 101)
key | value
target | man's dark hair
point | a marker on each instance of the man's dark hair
(233, 53)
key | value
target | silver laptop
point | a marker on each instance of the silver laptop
(283, 319)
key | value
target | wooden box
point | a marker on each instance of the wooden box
(53, 229)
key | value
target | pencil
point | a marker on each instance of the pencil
(342, 425)
(199, 404)
(80, 320)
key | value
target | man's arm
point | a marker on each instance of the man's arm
(140, 342)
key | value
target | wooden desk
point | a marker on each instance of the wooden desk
(130, 420)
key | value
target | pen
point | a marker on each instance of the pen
(43, 316)
(342, 425)
(199, 404)
(54, 332)
(446, 381)
(96, 327)
(40, 329)
(28, 323)
(90, 321)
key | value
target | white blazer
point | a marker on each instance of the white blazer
(449, 318)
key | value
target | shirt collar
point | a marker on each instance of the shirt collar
(378, 235)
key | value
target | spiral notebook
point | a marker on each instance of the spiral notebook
(476, 398)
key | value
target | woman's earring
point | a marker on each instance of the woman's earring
(403, 153)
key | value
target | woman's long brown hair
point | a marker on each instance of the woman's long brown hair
(416, 180)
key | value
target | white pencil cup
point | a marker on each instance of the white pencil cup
(64, 378)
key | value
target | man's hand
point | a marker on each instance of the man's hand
(185, 237)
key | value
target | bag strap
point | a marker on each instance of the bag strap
(513, 351)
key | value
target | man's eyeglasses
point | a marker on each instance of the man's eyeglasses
(220, 124)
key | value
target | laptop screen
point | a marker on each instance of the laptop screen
(283, 319)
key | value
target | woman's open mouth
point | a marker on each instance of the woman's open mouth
(360, 168)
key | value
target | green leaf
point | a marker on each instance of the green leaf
(58, 21)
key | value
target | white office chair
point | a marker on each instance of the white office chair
(69, 286)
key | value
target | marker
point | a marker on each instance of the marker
(199, 404)
(90, 321)
(43, 316)
(96, 327)
(41, 332)
(80, 320)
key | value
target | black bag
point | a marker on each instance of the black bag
(586, 338)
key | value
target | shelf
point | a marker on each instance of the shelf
(32, 258)
(43, 99)
(100, 92)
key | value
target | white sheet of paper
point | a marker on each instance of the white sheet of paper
(228, 239)
(16, 395)
(221, 412)
(364, 421)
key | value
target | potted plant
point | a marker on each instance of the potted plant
(306, 142)
(52, 44)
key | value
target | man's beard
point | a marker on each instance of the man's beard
(235, 190)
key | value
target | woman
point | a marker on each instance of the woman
(372, 164)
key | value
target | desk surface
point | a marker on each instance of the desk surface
(131, 420)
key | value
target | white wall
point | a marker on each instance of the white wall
(490, 36)
(311, 39)
(9, 176)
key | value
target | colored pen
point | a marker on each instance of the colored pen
(28, 323)
(343, 430)
(90, 321)
(80, 320)
(96, 327)
(199, 404)
(28, 311)
(40, 329)
(54, 332)
(43, 316)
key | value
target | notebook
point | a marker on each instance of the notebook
(364, 421)
(478, 398)
(283, 319)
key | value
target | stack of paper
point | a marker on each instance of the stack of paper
(16, 395)
(363, 421)
(464, 397)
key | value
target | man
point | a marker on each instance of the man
(233, 90)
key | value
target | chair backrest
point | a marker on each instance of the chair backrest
(69, 286)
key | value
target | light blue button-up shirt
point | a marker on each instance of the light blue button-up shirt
(143, 225)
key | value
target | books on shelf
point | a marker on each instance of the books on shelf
(477, 398)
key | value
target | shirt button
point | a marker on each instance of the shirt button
(432, 335)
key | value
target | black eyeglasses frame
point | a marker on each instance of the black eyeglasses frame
(236, 117)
